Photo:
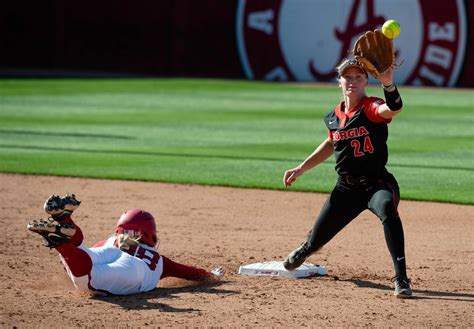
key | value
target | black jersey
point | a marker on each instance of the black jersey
(359, 138)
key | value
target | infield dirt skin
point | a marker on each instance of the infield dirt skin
(210, 226)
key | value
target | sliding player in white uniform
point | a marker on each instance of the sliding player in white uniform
(127, 262)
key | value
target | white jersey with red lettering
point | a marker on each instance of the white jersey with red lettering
(117, 272)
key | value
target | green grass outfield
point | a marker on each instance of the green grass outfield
(217, 132)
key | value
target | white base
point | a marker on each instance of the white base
(274, 268)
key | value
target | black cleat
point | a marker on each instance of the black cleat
(297, 257)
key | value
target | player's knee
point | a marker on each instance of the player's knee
(387, 210)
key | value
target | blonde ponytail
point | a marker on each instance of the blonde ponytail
(124, 241)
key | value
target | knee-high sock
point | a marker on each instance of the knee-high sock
(78, 237)
(77, 259)
(394, 237)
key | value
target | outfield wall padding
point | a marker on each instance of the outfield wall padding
(236, 39)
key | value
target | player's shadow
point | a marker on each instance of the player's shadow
(155, 298)
(417, 294)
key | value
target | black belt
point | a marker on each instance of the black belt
(358, 180)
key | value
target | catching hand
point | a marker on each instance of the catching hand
(217, 274)
(375, 53)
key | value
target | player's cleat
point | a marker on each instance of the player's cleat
(59, 208)
(54, 234)
(297, 257)
(402, 287)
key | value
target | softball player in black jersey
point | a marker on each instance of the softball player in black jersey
(357, 135)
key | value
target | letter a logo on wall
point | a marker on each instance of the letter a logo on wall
(305, 40)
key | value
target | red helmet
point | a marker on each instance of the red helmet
(140, 224)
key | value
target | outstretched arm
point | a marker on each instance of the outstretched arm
(320, 154)
(187, 272)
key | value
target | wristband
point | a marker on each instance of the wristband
(390, 86)
(393, 99)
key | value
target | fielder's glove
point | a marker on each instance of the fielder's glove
(61, 208)
(374, 52)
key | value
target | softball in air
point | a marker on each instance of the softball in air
(391, 29)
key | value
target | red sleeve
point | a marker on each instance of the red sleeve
(370, 108)
(173, 269)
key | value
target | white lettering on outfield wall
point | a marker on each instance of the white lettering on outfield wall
(439, 56)
(446, 32)
(303, 40)
(260, 20)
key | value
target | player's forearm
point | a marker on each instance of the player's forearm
(392, 97)
(393, 102)
(186, 272)
(320, 154)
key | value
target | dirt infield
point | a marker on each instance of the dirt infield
(209, 226)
